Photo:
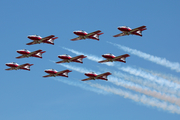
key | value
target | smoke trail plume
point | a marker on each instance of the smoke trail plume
(81, 85)
(144, 90)
(161, 61)
(168, 89)
(165, 76)
(148, 76)
(135, 87)
(144, 82)
(140, 98)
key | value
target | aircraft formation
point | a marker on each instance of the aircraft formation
(67, 58)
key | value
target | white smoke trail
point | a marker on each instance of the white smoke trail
(165, 76)
(144, 90)
(82, 85)
(89, 56)
(143, 82)
(132, 86)
(161, 61)
(140, 98)
(141, 74)
(148, 76)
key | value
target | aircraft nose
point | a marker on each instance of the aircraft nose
(18, 51)
(7, 64)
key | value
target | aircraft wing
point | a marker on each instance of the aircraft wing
(47, 76)
(78, 58)
(31, 43)
(103, 61)
(34, 52)
(47, 38)
(20, 57)
(139, 28)
(86, 79)
(118, 35)
(78, 38)
(63, 73)
(9, 69)
(63, 61)
(93, 33)
(103, 76)
(121, 56)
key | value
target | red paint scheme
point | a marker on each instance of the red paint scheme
(51, 71)
(27, 53)
(54, 73)
(124, 28)
(128, 31)
(34, 37)
(80, 33)
(37, 39)
(65, 56)
(68, 58)
(15, 66)
(84, 35)
(23, 51)
(91, 74)
(12, 64)
(94, 76)
(110, 58)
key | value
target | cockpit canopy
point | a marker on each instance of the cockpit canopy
(125, 27)
(14, 63)
(66, 55)
(109, 54)
(92, 73)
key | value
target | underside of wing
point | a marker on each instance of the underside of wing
(35, 52)
(93, 33)
(31, 43)
(103, 61)
(63, 61)
(103, 76)
(139, 28)
(48, 37)
(86, 79)
(78, 38)
(20, 57)
(9, 69)
(78, 58)
(121, 58)
(47, 76)
(118, 35)
(63, 73)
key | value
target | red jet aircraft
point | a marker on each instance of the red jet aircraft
(27, 53)
(84, 35)
(15, 66)
(68, 58)
(93, 76)
(128, 31)
(110, 58)
(38, 39)
(54, 73)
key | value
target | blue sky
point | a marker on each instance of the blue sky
(26, 95)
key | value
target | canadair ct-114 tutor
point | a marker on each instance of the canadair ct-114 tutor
(27, 53)
(54, 73)
(38, 39)
(110, 58)
(84, 35)
(15, 66)
(93, 76)
(128, 31)
(68, 58)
